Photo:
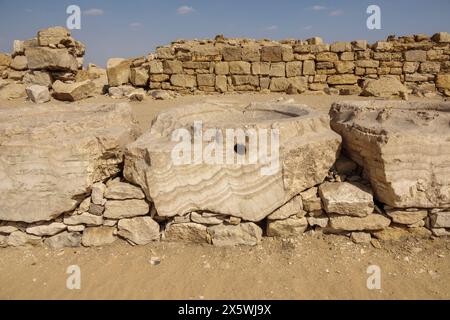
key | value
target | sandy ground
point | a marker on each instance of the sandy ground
(312, 266)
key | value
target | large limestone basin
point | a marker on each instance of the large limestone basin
(307, 150)
(404, 148)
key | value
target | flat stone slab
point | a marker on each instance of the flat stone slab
(50, 155)
(307, 150)
(404, 147)
(346, 198)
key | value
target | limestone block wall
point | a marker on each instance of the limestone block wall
(420, 62)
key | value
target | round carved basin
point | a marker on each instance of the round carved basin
(243, 161)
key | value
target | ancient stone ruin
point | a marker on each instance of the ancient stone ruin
(86, 175)
(379, 171)
(415, 64)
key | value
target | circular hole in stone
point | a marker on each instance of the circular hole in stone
(240, 149)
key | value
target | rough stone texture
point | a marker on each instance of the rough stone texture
(118, 71)
(98, 236)
(20, 239)
(187, 232)
(407, 217)
(308, 149)
(73, 91)
(140, 230)
(123, 191)
(402, 148)
(440, 220)
(360, 237)
(41, 146)
(53, 36)
(97, 193)
(50, 59)
(290, 227)
(384, 87)
(47, 229)
(125, 209)
(38, 94)
(84, 218)
(64, 240)
(371, 222)
(13, 91)
(292, 207)
(206, 218)
(248, 234)
(346, 198)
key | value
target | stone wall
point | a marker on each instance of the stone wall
(420, 62)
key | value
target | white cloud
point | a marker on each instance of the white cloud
(336, 13)
(272, 28)
(135, 25)
(185, 10)
(318, 8)
(93, 12)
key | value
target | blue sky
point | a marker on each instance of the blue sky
(135, 27)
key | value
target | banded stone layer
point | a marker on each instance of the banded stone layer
(404, 148)
(308, 149)
(51, 155)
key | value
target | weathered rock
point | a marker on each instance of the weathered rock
(320, 221)
(139, 77)
(369, 223)
(98, 236)
(311, 200)
(38, 94)
(73, 91)
(440, 220)
(125, 209)
(206, 218)
(402, 148)
(385, 87)
(248, 234)
(12, 91)
(78, 228)
(140, 230)
(360, 237)
(5, 59)
(123, 191)
(20, 239)
(97, 192)
(96, 209)
(346, 198)
(41, 146)
(187, 232)
(290, 227)
(40, 58)
(118, 71)
(64, 240)
(407, 217)
(291, 208)
(392, 234)
(84, 218)
(183, 80)
(250, 191)
(46, 229)
(19, 63)
(53, 36)
(40, 78)
(440, 232)
(137, 95)
(161, 95)
(443, 81)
